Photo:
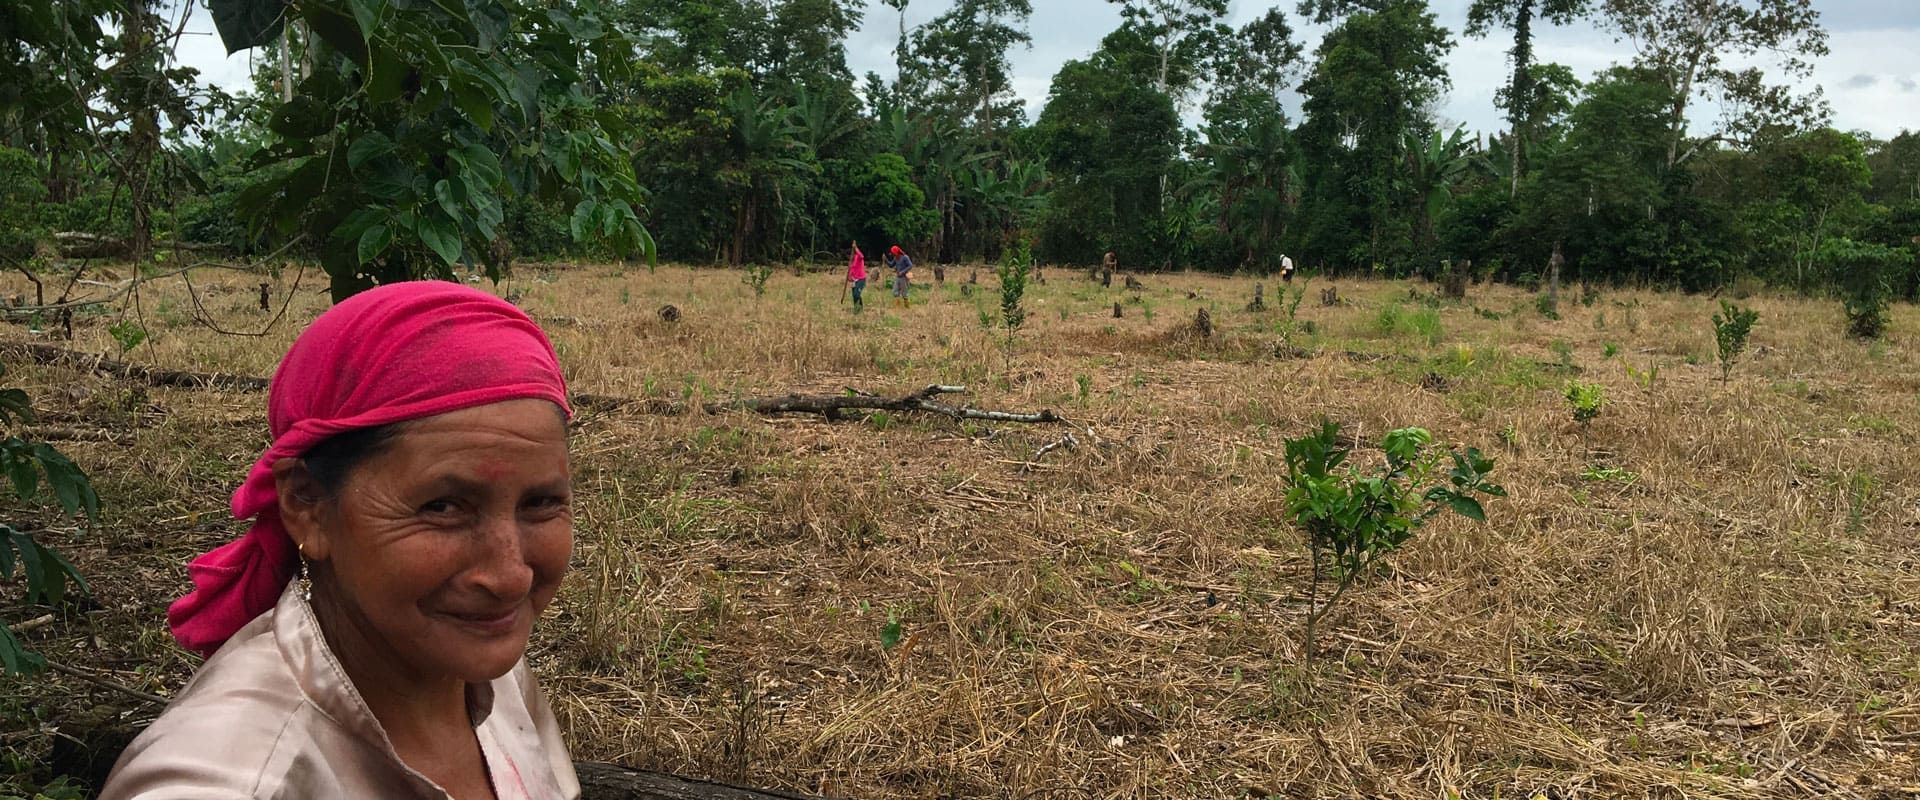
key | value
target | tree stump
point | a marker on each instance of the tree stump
(1453, 282)
(1116, 309)
(1329, 297)
(669, 313)
(974, 276)
(1259, 298)
(1202, 324)
(939, 274)
(1135, 285)
(265, 297)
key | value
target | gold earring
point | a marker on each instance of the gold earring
(306, 583)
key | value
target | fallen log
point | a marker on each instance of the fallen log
(55, 356)
(80, 244)
(602, 781)
(829, 406)
(836, 407)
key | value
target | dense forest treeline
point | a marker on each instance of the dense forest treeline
(415, 136)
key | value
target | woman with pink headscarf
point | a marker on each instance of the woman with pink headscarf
(367, 636)
(857, 275)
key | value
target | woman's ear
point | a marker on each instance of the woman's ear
(302, 500)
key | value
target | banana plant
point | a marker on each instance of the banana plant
(764, 149)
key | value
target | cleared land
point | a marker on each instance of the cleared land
(1712, 591)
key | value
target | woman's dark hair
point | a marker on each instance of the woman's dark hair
(332, 460)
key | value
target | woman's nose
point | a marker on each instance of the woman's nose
(500, 566)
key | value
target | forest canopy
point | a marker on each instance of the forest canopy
(388, 139)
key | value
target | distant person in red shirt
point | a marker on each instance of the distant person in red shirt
(902, 265)
(857, 275)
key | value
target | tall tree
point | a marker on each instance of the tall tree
(960, 58)
(807, 43)
(50, 73)
(1180, 36)
(1377, 73)
(1896, 169)
(1110, 139)
(1691, 45)
(1518, 16)
(1249, 164)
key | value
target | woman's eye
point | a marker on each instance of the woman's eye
(547, 503)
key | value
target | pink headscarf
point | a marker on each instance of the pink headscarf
(390, 354)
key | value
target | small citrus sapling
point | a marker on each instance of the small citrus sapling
(1353, 518)
(1730, 329)
(1585, 400)
(1015, 266)
(756, 277)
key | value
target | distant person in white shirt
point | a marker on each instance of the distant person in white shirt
(1286, 268)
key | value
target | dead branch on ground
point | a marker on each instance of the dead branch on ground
(58, 357)
(838, 407)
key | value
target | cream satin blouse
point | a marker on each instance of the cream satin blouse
(272, 715)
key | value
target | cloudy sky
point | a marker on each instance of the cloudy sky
(1871, 77)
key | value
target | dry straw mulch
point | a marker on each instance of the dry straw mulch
(1713, 591)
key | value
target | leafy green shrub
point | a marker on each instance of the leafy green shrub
(756, 277)
(1015, 264)
(1353, 518)
(1586, 400)
(47, 572)
(1730, 329)
(128, 334)
(21, 194)
(1861, 270)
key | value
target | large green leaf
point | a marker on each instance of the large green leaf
(301, 119)
(15, 658)
(373, 242)
(245, 24)
(14, 404)
(16, 457)
(366, 14)
(70, 485)
(440, 235)
(369, 146)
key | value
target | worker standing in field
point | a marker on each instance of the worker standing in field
(857, 275)
(1286, 268)
(1108, 264)
(902, 265)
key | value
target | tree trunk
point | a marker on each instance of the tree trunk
(286, 64)
(1518, 109)
(1678, 120)
(143, 135)
(1553, 273)
(986, 100)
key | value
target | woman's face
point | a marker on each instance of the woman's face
(442, 548)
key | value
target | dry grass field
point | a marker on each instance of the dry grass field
(1711, 591)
